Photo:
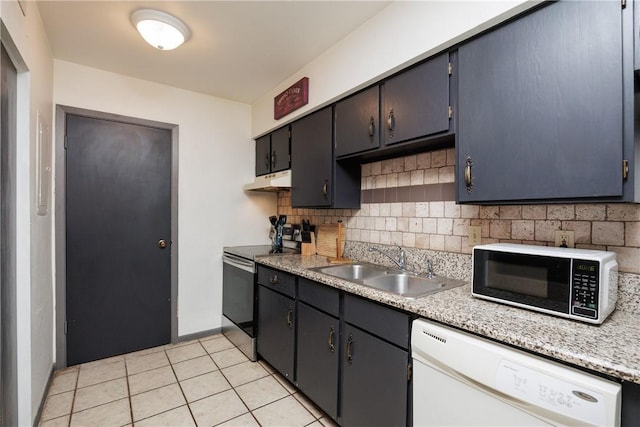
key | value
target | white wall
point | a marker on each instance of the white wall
(401, 34)
(216, 157)
(30, 52)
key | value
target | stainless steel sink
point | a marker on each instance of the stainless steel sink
(389, 280)
(354, 272)
(411, 286)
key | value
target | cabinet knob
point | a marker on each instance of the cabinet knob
(330, 344)
(372, 127)
(468, 178)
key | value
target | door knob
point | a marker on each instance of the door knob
(162, 243)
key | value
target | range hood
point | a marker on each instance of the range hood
(278, 181)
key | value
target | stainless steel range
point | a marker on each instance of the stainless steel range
(239, 271)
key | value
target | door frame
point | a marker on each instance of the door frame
(60, 218)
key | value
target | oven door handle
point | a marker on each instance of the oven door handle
(241, 263)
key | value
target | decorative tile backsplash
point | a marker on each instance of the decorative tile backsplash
(410, 201)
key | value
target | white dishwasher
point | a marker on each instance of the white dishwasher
(463, 380)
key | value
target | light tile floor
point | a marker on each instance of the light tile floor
(206, 382)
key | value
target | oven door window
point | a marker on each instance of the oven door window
(238, 290)
(533, 280)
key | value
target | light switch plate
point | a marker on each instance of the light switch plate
(565, 238)
(475, 235)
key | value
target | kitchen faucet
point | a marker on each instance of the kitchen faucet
(400, 262)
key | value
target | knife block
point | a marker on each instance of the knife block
(309, 248)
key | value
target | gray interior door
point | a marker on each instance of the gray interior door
(8, 309)
(118, 214)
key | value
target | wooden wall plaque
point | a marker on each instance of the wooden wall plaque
(292, 98)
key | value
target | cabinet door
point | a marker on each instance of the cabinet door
(317, 363)
(357, 122)
(416, 102)
(263, 155)
(276, 319)
(312, 160)
(374, 383)
(280, 150)
(540, 106)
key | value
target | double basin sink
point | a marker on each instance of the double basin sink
(397, 282)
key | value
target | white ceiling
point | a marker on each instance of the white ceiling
(238, 50)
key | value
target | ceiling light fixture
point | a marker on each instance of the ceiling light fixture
(159, 29)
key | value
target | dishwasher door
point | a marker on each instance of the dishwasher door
(463, 380)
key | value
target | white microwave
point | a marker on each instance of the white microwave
(579, 284)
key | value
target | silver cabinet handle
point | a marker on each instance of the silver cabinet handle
(273, 279)
(290, 317)
(468, 178)
(325, 188)
(330, 344)
(391, 121)
(372, 127)
(349, 349)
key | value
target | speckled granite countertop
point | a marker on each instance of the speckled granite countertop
(612, 348)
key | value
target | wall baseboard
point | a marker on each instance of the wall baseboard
(198, 335)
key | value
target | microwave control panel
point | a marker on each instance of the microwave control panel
(585, 288)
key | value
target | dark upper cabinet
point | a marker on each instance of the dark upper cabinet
(415, 103)
(273, 152)
(541, 107)
(316, 179)
(357, 122)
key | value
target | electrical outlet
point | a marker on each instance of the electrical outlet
(475, 235)
(565, 238)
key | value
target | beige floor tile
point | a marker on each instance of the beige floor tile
(101, 362)
(186, 352)
(144, 352)
(67, 370)
(115, 413)
(216, 344)
(287, 411)
(153, 402)
(56, 422)
(174, 418)
(285, 383)
(149, 380)
(146, 362)
(63, 382)
(57, 405)
(205, 385)
(245, 420)
(99, 394)
(228, 357)
(218, 408)
(267, 367)
(309, 405)
(328, 422)
(98, 373)
(315, 424)
(194, 367)
(244, 373)
(261, 392)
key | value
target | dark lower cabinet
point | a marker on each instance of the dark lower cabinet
(374, 381)
(318, 351)
(276, 330)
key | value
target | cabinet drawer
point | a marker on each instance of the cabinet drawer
(385, 322)
(320, 296)
(277, 280)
